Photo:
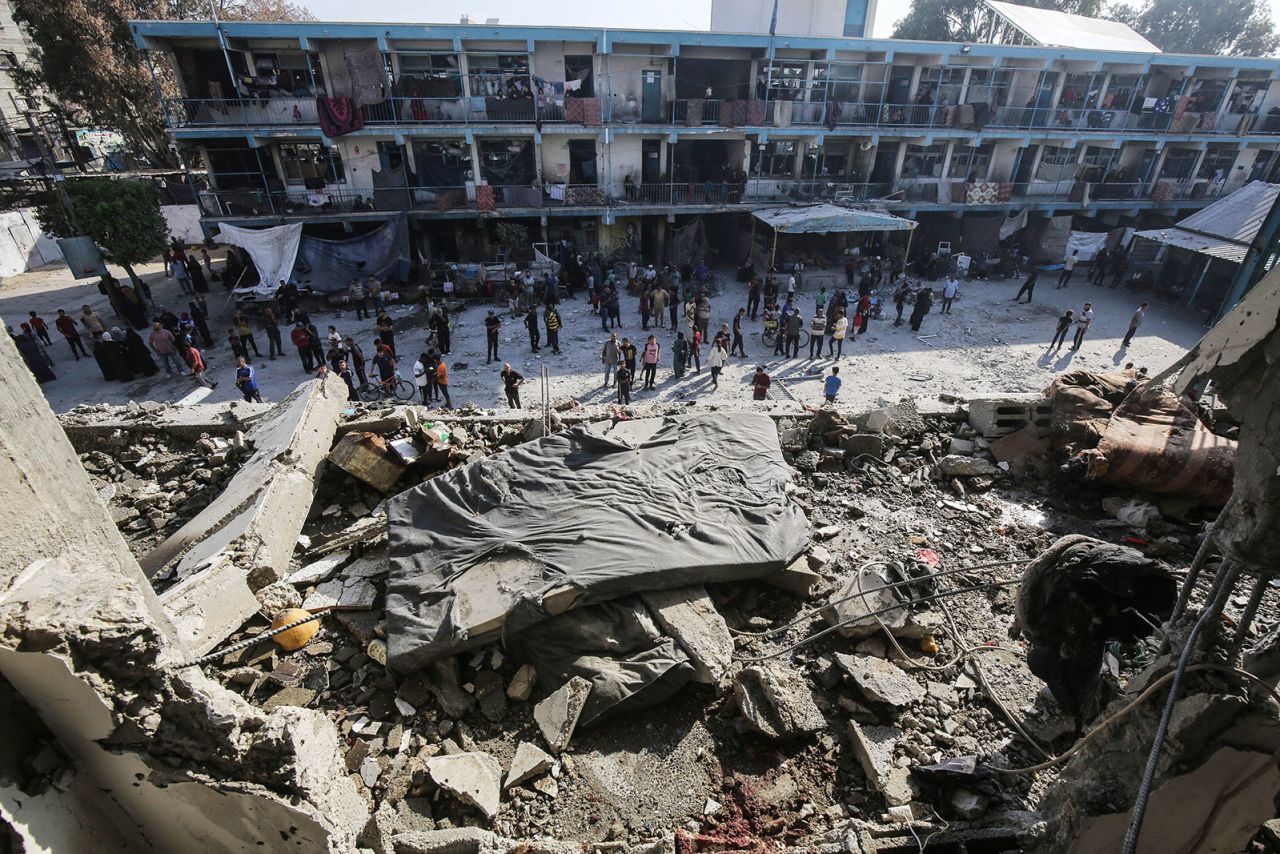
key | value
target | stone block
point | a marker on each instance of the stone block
(557, 716)
(529, 761)
(881, 681)
(473, 778)
(689, 617)
(776, 701)
(874, 748)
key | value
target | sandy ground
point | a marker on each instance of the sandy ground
(988, 343)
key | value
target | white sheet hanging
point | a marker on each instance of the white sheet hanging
(273, 250)
(1087, 243)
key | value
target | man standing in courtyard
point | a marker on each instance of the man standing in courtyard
(609, 358)
(1082, 325)
(511, 381)
(162, 342)
(67, 326)
(1068, 267)
(950, 287)
(1134, 323)
(1028, 287)
(247, 381)
(491, 324)
(649, 359)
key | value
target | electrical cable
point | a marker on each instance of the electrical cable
(812, 612)
(1139, 700)
(931, 598)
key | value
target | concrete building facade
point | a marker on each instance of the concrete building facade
(609, 137)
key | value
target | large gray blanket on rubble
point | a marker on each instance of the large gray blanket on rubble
(581, 517)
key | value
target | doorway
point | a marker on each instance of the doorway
(651, 96)
(582, 161)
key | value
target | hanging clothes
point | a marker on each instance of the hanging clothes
(368, 74)
(339, 116)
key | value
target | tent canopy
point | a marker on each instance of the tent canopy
(1062, 29)
(824, 219)
(1225, 228)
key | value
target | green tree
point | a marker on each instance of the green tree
(1224, 27)
(85, 58)
(122, 216)
(962, 20)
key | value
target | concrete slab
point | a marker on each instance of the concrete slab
(261, 512)
(529, 761)
(557, 716)
(777, 701)
(689, 617)
(255, 522)
(89, 423)
(209, 605)
(874, 747)
(472, 778)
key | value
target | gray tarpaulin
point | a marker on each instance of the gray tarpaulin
(582, 517)
(616, 647)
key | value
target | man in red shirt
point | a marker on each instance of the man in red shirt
(40, 328)
(301, 339)
(67, 326)
(760, 383)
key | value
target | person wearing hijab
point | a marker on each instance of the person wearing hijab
(37, 359)
(134, 310)
(119, 354)
(196, 273)
(138, 356)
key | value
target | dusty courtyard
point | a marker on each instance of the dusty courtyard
(988, 343)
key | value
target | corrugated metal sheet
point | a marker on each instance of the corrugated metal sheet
(822, 219)
(1060, 29)
(1225, 228)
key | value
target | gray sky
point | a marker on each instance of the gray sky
(648, 14)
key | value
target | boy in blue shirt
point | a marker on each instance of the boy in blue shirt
(246, 381)
(832, 385)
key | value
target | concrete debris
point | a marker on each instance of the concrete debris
(367, 457)
(557, 716)
(442, 679)
(342, 593)
(490, 695)
(777, 702)
(277, 597)
(319, 570)
(473, 778)
(881, 681)
(954, 465)
(874, 748)
(529, 761)
(859, 608)
(522, 683)
(689, 617)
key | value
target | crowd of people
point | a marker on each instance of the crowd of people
(673, 304)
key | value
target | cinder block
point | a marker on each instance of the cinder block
(1001, 415)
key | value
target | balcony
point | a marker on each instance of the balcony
(661, 197)
(696, 112)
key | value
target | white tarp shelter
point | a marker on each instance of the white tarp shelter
(824, 219)
(1061, 29)
(1225, 228)
(273, 251)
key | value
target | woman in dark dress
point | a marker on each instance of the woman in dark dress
(104, 355)
(134, 310)
(118, 353)
(140, 361)
(196, 272)
(36, 359)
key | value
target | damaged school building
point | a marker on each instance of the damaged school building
(408, 145)
(954, 624)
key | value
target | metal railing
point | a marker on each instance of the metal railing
(298, 202)
(460, 110)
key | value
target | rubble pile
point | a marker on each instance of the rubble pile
(154, 483)
(865, 691)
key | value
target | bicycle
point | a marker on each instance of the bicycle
(770, 337)
(395, 388)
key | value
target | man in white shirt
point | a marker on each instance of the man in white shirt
(1068, 267)
(1082, 325)
(950, 288)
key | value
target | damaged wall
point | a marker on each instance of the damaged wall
(173, 760)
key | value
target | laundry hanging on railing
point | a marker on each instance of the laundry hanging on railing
(368, 74)
(339, 116)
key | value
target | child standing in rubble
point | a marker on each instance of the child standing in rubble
(247, 381)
